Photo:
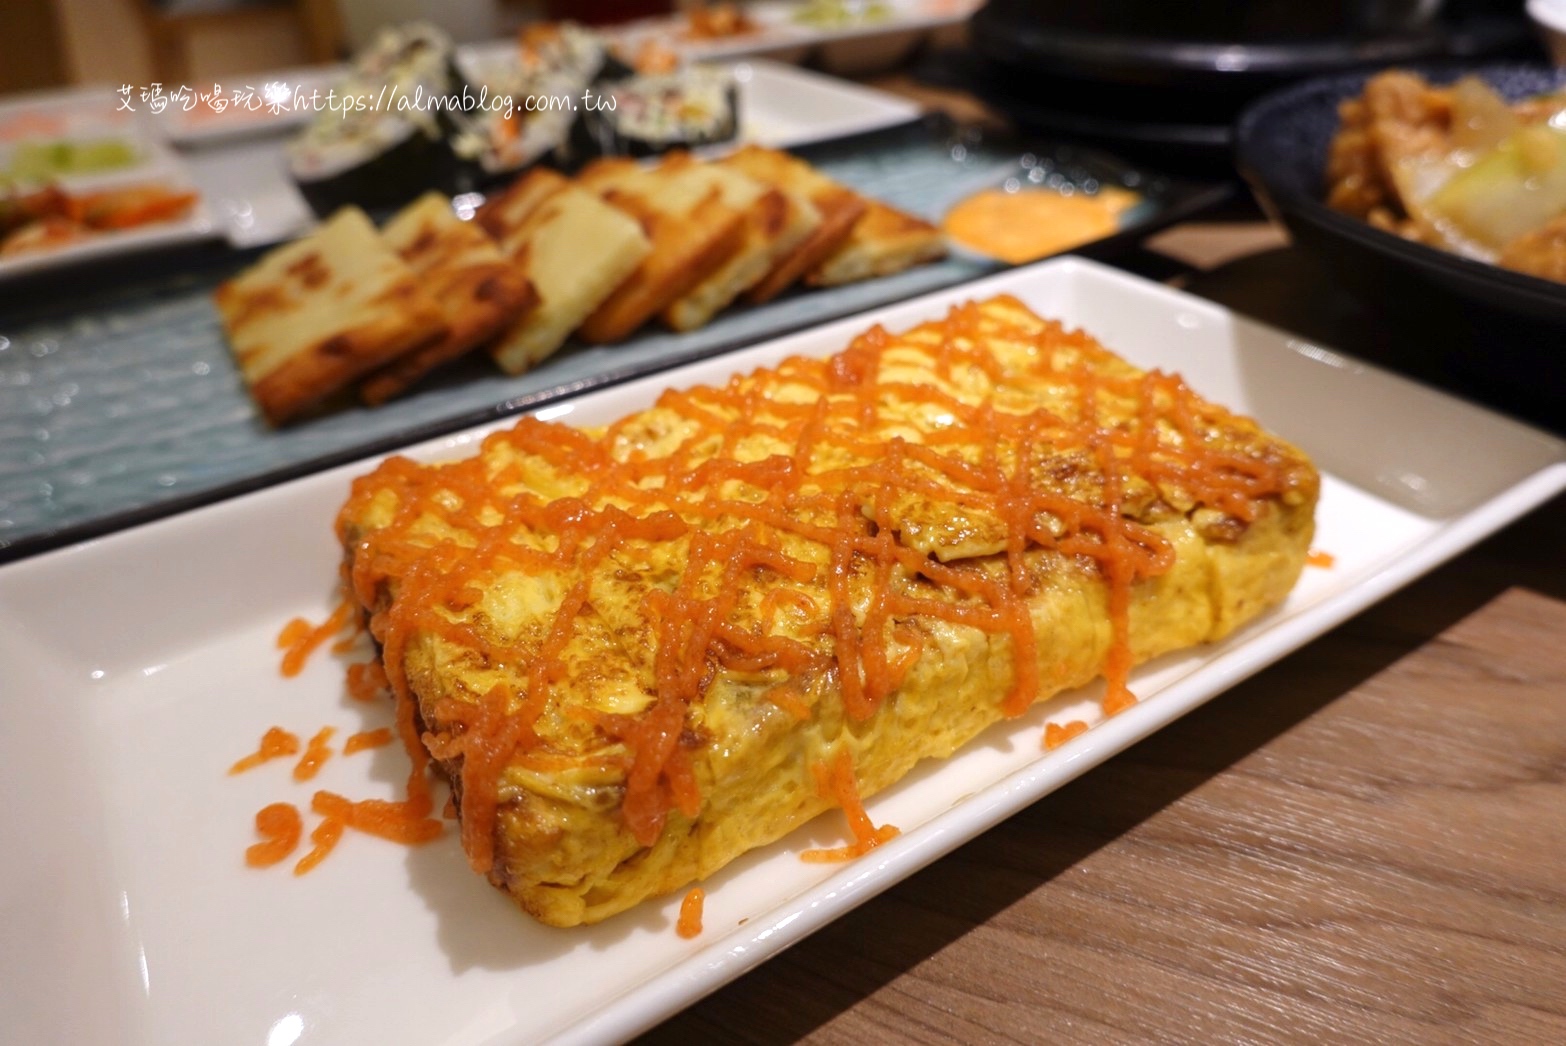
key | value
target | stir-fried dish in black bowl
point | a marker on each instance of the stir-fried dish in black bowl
(1455, 178)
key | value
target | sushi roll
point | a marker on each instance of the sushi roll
(375, 161)
(526, 117)
(380, 142)
(572, 51)
(566, 61)
(556, 67)
(648, 115)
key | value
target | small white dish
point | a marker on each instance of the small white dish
(139, 666)
(784, 106)
(154, 164)
(854, 48)
(271, 103)
(246, 184)
(876, 44)
(1549, 18)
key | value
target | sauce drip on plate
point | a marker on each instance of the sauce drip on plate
(689, 924)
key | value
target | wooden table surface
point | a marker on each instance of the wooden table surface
(1365, 842)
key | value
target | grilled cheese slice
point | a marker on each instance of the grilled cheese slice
(839, 208)
(313, 316)
(573, 248)
(692, 229)
(479, 291)
(656, 639)
(884, 241)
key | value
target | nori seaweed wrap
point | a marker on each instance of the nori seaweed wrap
(380, 141)
(647, 115)
(556, 66)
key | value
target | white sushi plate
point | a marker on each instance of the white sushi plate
(247, 180)
(139, 666)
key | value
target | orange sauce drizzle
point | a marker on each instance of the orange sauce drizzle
(295, 632)
(407, 822)
(367, 739)
(350, 638)
(790, 700)
(275, 744)
(1318, 558)
(488, 738)
(367, 681)
(279, 827)
(299, 638)
(837, 784)
(1056, 735)
(317, 752)
(731, 515)
(689, 924)
(325, 837)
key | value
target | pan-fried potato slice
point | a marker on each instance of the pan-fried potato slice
(884, 240)
(478, 289)
(776, 222)
(693, 232)
(317, 314)
(574, 249)
(839, 208)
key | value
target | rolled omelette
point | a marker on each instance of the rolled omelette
(640, 651)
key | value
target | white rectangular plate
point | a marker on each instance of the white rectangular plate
(138, 667)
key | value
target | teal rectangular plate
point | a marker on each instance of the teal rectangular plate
(121, 404)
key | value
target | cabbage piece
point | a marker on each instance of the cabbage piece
(1510, 190)
(1481, 119)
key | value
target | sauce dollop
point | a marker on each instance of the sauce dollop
(1030, 224)
(279, 827)
(275, 744)
(690, 913)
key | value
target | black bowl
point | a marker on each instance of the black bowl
(1281, 142)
